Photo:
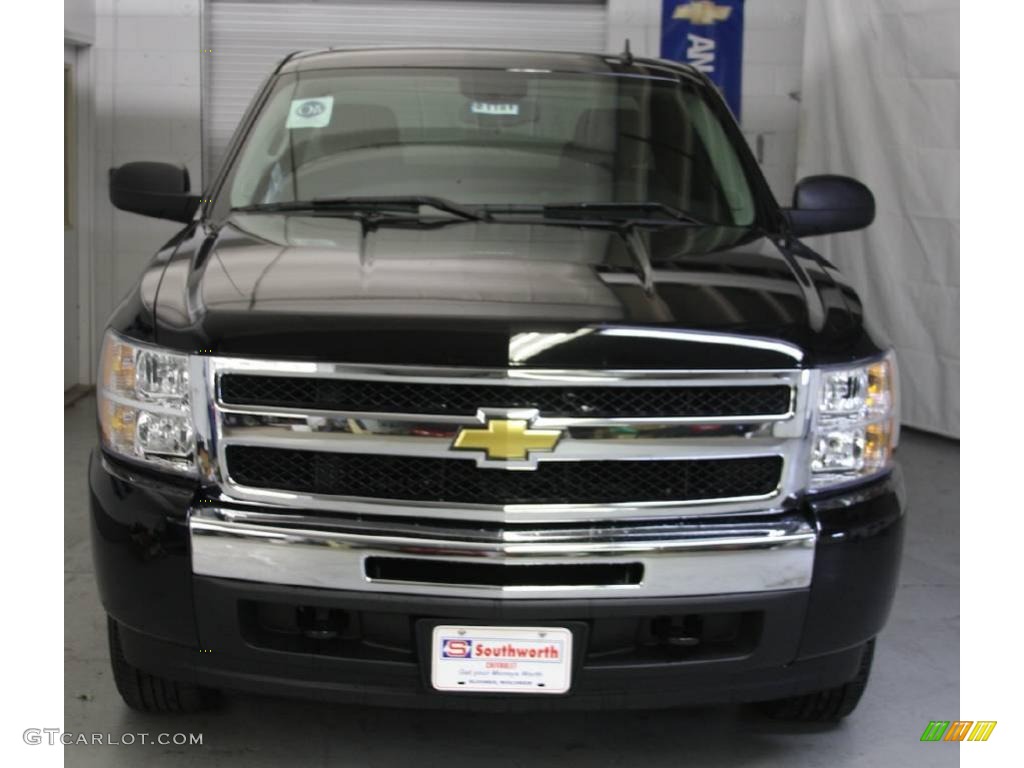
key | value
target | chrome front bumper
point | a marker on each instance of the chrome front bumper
(676, 560)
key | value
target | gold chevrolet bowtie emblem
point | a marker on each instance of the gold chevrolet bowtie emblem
(506, 439)
(702, 12)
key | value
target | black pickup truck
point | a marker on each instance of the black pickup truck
(494, 380)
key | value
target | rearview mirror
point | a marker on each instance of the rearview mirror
(160, 190)
(826, 204)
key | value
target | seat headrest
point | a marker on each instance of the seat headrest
(359, 125)
(352, 126)
(600, 128)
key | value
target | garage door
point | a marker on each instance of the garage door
(246, 39)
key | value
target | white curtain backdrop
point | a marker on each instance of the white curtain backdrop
(880, 102)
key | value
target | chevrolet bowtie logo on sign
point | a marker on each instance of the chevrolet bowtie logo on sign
(702, 12)
(506, 439)
(709, 37)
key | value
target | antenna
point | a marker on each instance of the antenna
(627, 55)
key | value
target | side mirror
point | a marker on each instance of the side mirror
(826, 204)
(160, 190)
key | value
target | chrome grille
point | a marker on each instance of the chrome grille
(647, 445)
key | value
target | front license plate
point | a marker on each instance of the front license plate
(501, 659)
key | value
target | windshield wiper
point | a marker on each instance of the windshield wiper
(408, 204)
(613, 212)
(620, 210)
(625, 218)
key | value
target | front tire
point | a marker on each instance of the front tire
(830, 705)
(150, 693)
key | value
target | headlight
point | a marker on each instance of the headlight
(856, 424)
(143, 400)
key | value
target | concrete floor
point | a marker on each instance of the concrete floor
(915, 679)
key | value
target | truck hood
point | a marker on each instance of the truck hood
(500, 294)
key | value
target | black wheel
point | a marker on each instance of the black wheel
(149, 693)
(824, 706)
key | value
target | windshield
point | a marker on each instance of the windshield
(491, 137)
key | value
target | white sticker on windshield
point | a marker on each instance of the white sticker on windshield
(310, 113)
(490, 108)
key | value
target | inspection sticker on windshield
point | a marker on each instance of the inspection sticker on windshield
(310, 113)
(501, 659)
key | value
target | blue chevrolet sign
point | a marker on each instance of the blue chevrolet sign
(708, 35)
